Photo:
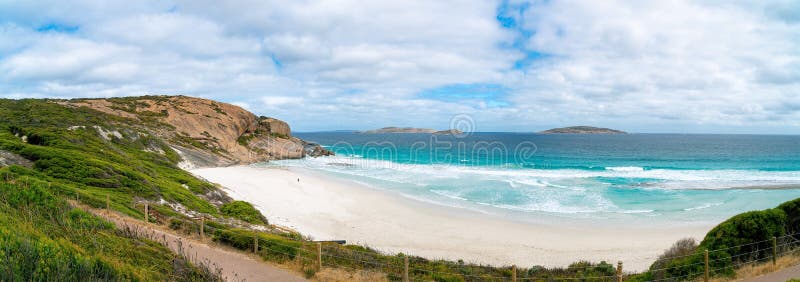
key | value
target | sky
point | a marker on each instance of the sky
(641, 66)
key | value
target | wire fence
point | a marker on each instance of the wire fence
(400, 267)
(397, 267)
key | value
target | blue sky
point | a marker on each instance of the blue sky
(655, 66)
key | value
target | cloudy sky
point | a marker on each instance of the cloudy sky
(642, 66)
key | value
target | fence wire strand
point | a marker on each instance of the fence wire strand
(302, 252)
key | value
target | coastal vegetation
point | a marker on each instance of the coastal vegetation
(243, 211)
(741, 239)
(56, 157)
(43, 238)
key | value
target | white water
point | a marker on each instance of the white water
(616, 192)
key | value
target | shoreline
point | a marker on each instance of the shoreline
(327, 208)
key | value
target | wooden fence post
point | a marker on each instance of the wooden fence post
(514, 273)
(774, 250)
(146, 213)
(108, 203)
(705, 278)
(619, 271)
(202, 226)
(405, 268)
(319, 256)
(255, 243)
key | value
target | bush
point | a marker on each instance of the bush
(737, 234)
(742, 238)
(243, 211)
(682, 248)
(270, 246)
(80, 219)
(792, 211)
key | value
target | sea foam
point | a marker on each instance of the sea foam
(628, 191)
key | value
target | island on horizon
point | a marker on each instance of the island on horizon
(394, 129)
(582, 130)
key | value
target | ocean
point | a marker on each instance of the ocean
(632, 178)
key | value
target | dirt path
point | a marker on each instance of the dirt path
(233, 266)
(777, 276)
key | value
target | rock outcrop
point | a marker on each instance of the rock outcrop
(8, 158)
(582, 130)
(205, 132)
(275, 126)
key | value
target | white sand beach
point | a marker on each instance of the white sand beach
(327, 208)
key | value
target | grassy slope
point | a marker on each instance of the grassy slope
(42, 237)
(80, 163)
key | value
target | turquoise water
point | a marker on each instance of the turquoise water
(663, 177)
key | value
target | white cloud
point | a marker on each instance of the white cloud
(280, 101)
(57, 57)
(693, 61)
(353, 64)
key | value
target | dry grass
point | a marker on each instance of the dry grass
(763, 268)
(340, 275)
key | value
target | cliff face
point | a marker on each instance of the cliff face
(206, 132)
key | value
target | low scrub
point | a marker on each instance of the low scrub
(43, 238)
(243, 211)
(742, 239)
(271, 247)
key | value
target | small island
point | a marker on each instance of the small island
(449, 132)
(582, 130)
(393, 129)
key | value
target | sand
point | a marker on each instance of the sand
(328, 208)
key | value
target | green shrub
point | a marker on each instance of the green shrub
(742, 238)
(738, 234)
(270, 246)
(792, 211)
(243, 211)
(175, 224)
(80, 219)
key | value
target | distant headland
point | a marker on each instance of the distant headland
(393, 129)
(582, 130)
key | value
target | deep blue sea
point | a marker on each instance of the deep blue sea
(666, 177)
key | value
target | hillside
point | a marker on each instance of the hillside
(129, 152)
(582, 130)
(205, 132)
